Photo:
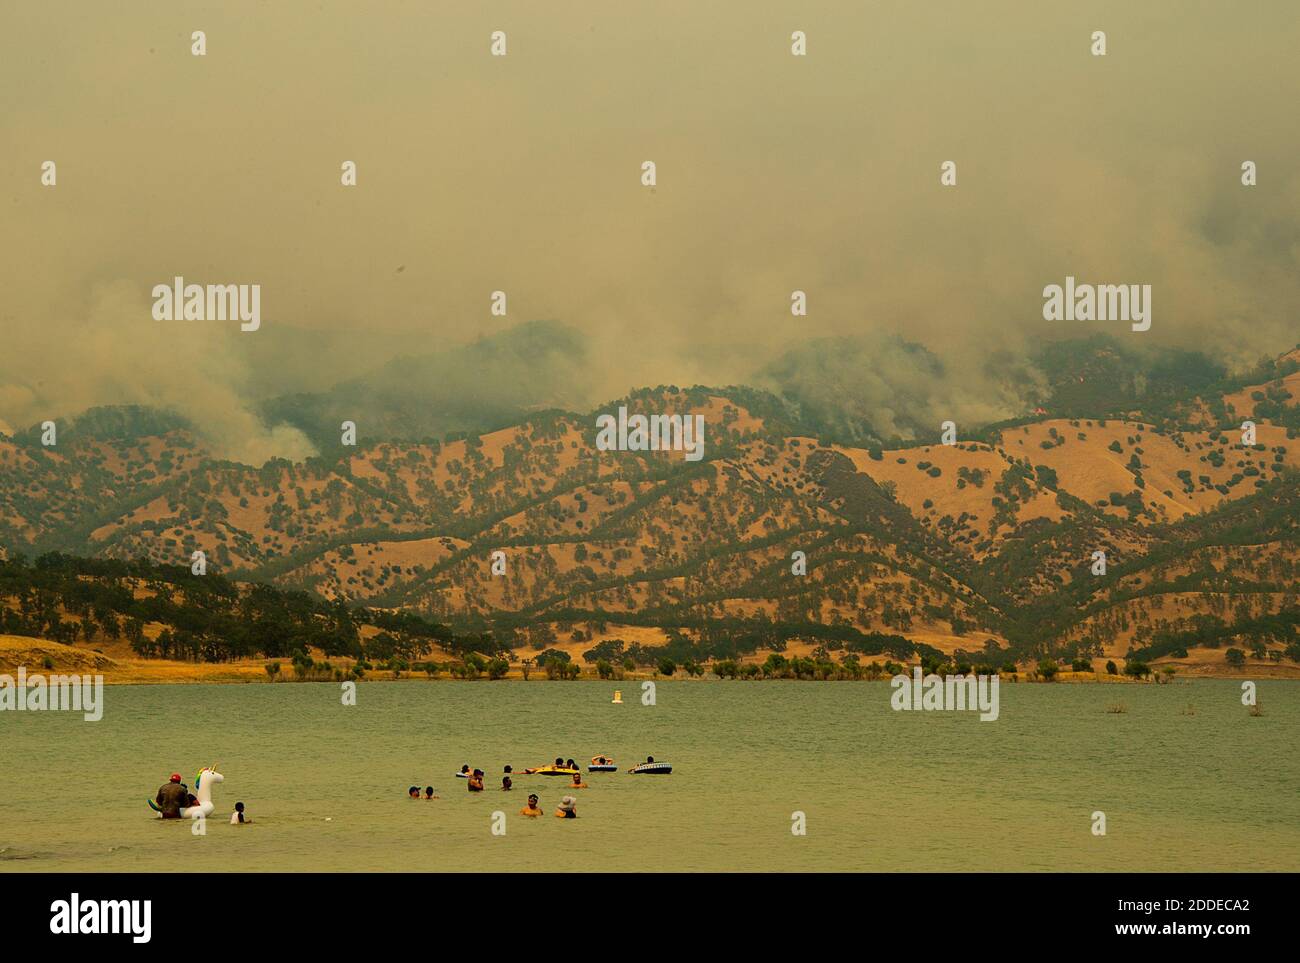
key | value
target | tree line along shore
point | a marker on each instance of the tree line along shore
(40, 655)
(141, 621)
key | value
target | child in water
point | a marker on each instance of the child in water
(428, 793)
(506, 784)
(237, 817)
(476, 781)
(532, 809)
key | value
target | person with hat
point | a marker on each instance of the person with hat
(172, 797)
(568, 808)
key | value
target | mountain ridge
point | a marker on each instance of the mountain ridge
(982, 546)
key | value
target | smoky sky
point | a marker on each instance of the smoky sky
(522, 173)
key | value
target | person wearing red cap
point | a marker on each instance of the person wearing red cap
(172, 797)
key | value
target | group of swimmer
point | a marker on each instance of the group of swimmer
(568, 805)
(568, 808)
(174, 796)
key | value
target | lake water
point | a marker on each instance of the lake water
(881, 790)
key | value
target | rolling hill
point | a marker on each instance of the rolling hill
(978, 551)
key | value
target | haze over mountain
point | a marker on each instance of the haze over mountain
(521, 174)
(775, 175)
(980, 549)
(477, 387)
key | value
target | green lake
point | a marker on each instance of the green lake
(1208, 788)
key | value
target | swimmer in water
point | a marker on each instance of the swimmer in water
(237, 818)
(506, 784)
(476, 781)
(464, 772)
(568, 808)
(428, 793)
(577, 782)
(413, 792)
(171, 797)
(532, 809)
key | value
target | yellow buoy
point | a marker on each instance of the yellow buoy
(618, 697)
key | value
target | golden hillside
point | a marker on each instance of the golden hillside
(970, 549)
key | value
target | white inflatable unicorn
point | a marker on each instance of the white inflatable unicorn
(203, 783)
(203, 793)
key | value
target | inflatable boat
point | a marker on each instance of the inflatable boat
(652, 769)
(602, 764)
(551, 770)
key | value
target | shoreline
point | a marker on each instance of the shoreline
(159, 678)
(42, 656)
(163, 672)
